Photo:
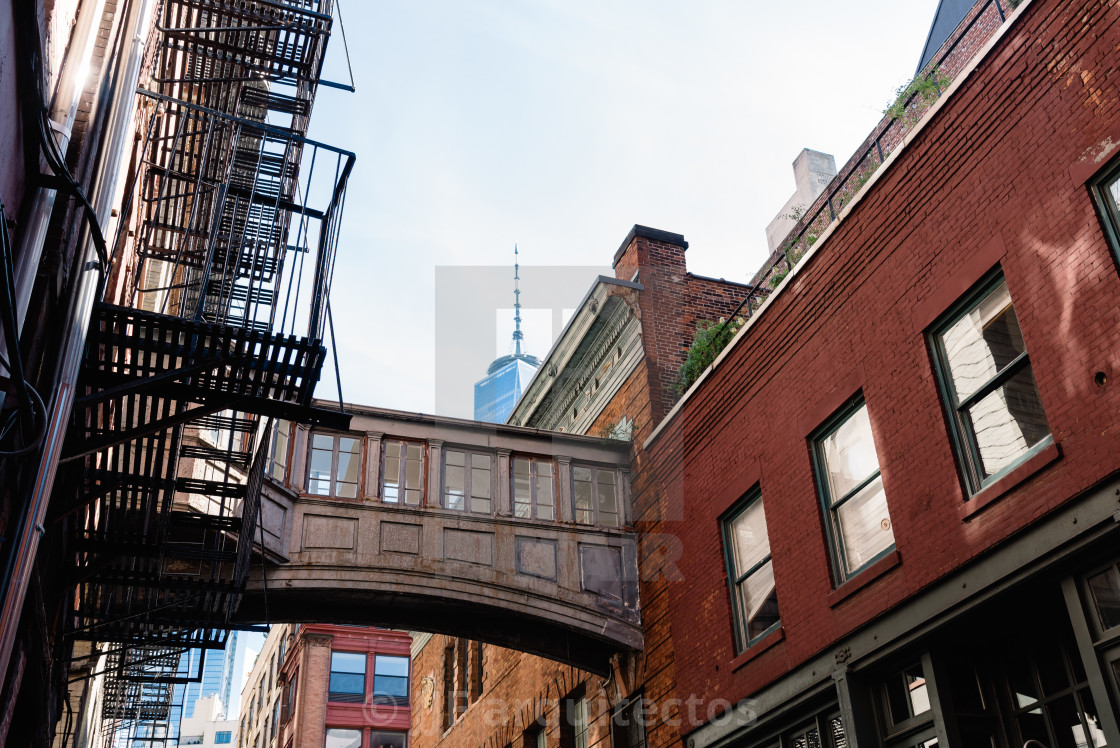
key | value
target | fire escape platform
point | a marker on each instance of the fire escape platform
(188, 362)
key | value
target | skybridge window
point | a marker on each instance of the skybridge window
(533, 489)
(334, 465)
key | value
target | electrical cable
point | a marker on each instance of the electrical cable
(29, 398)
(41, 429)
(57, 161)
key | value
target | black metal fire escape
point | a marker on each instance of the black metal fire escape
(226, 250)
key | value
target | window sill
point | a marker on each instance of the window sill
(758, 648)
(864, 578)
(335, 499)
(993, 492)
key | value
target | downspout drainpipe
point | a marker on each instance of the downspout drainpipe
(117, 136)
(64, 110)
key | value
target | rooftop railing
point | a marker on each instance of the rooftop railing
(902, 117)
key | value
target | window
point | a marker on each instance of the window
(595, 495)
(278, 450)
(382, 739)
(534, 736)
(223, 736)
(573, 722)
(348, 677)
(390, 679)
(533, 489)
(825, 730)
(628, 724)
(905, 717)
(1104, 589)
(449, 691)
(859, 526)
(191, 740)
(341, 738)
(157, 277)
(1106, 191)
(989, 388)
(402, 473)
(289, 698)
(477, 675)
(750, 572)
(467, 477)
(334, 465)
(1049, 696)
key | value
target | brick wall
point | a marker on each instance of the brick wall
(519, 692)
(997, 177)
(308, 661)
(671, 304)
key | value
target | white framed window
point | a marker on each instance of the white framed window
(534, 494)
(402, 472)
(334, 465)
(468, 480)
(278, 449)
(595, 495)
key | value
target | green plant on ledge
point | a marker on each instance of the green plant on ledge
(711, 338)
(926, 89)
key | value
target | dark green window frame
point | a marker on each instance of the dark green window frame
(1107, 206)
(843, 567)
(956, 409)
(737, 578)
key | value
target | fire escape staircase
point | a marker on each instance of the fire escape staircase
(236, 218)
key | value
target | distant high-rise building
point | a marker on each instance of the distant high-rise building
(508, 376)
(221, 674)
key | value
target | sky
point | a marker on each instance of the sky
(559, 124)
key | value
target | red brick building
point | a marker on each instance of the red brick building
(612, 373)
(344, 687)
(897, 489)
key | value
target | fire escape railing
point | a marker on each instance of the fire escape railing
(222, 267)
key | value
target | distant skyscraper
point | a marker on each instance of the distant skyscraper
(221, 674)
(505, 380)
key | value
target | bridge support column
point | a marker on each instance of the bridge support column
(625, 508)
(435, 463)
(298, 475)
(373, 465)
(505, 503)
(564, 469)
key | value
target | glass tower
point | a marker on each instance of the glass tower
(505, 380)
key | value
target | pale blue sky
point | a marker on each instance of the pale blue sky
(558, 124)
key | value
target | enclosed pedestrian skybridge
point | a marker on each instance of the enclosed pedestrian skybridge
(512, 536)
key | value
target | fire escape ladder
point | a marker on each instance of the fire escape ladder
(232, 217)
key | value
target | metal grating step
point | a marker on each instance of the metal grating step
(238, 460)
(210, 488)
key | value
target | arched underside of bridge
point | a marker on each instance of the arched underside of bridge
(560, 590)
(551, 638)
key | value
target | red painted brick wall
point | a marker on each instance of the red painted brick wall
(996, 177)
